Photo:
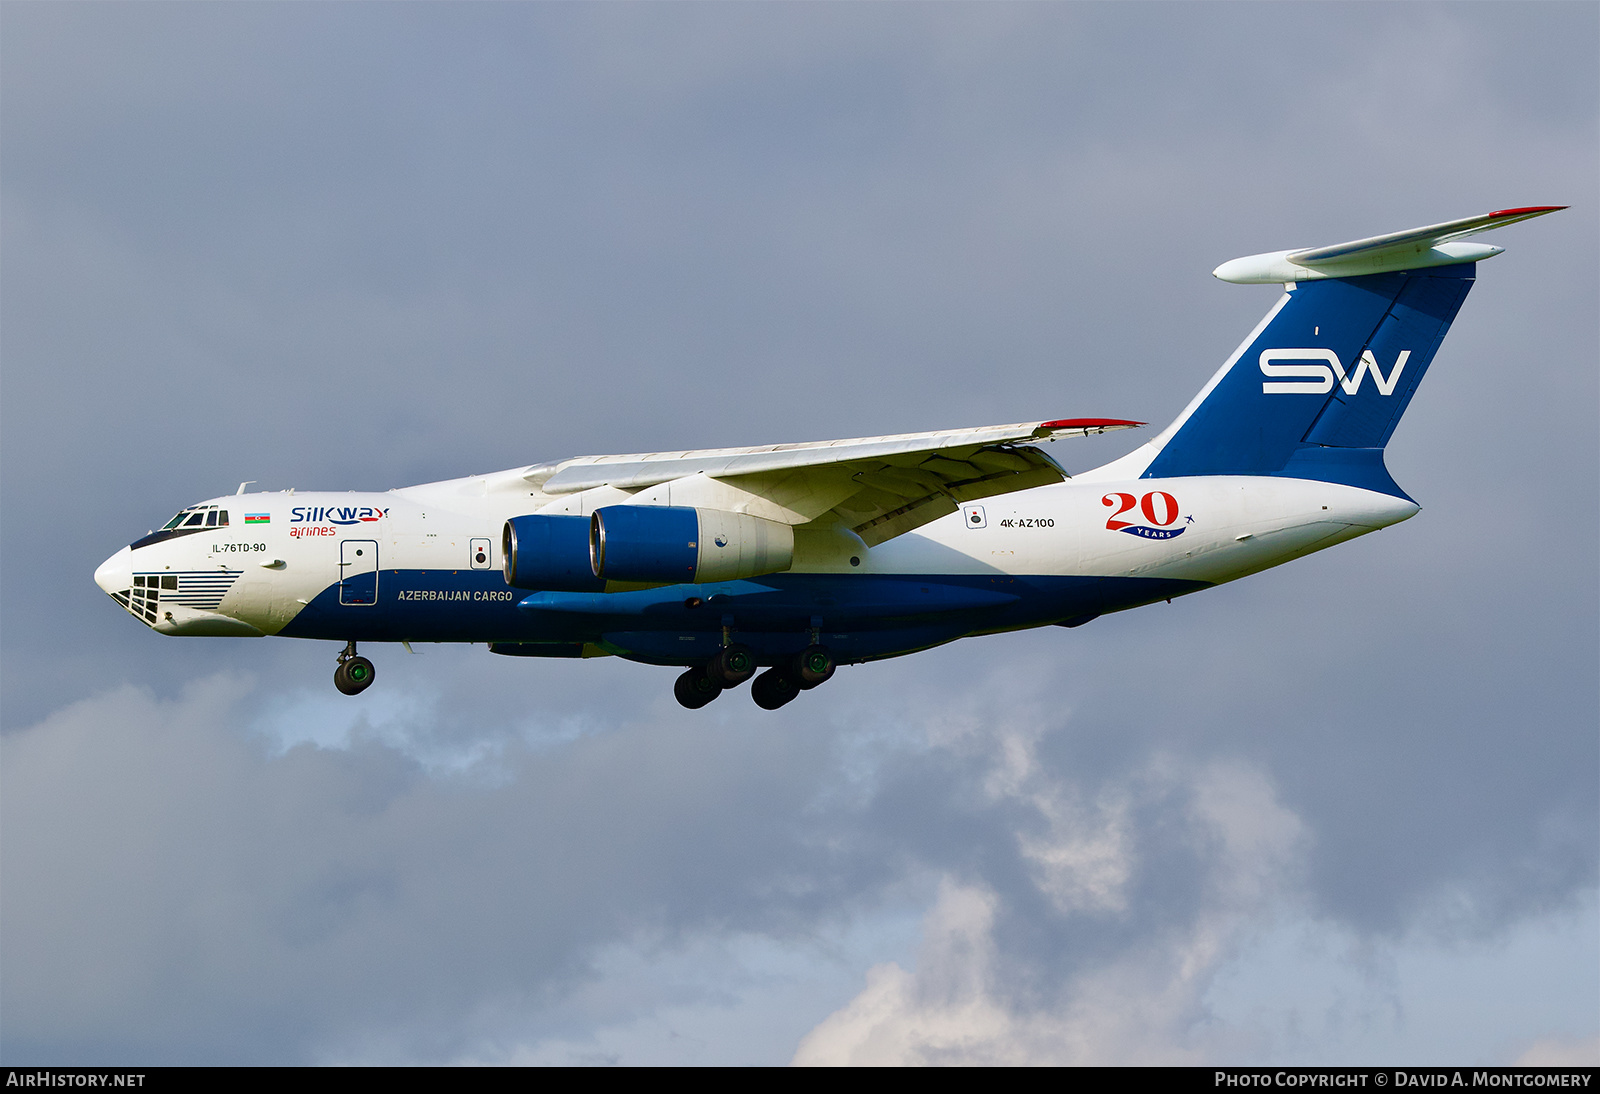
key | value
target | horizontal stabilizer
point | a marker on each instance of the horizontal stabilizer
(1416, 249)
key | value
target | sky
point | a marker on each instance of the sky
(1343, 812)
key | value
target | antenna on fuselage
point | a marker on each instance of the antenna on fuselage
(242, 485)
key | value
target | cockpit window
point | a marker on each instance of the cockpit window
(196, 518)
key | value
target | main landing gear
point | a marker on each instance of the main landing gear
(732, 666)
(354, 674)
(735, 663)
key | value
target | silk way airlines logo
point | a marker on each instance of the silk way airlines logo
(1314, 371)
(1159, 508)
(335, 514)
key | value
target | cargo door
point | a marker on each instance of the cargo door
(358, 572)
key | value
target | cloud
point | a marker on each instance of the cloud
(1238, 965)
(1164, 914)
(1562, 1052)
(183, 885)
(1139, 1001)
(175, 892)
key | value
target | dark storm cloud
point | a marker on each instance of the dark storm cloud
(189, 897)
(348, 246)
(184, 897)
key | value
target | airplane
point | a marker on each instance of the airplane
(789, 560)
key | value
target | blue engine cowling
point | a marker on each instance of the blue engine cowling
(670, 544)
(641, 545)
(652, 543)
(549, 552)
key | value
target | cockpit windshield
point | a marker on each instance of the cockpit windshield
(196, 518)
(208, 516)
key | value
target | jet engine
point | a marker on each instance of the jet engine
(548, 552)
(641, 544)
(668, 544)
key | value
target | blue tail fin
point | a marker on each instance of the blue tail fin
(1316, 391)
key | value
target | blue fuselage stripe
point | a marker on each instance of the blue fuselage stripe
(862, 617)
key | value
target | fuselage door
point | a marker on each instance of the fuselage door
(358, 572)
(482, 556)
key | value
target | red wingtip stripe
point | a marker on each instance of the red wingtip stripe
(1087, 423)
(1527, 209)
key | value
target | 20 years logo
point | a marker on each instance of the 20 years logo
(1158, 507)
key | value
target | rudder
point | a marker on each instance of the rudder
(1317, 391)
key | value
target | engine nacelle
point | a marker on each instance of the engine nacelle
(670, 544)
(548, 552)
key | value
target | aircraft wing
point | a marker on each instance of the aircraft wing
(879, 487)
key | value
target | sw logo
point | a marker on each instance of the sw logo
(1317, 379)
(1159, 508)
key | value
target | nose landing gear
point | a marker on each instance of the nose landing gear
(355, 673)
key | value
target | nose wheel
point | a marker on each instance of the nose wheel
(355, 673)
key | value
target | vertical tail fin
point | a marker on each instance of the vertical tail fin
(1333, 368)
(1317, 389)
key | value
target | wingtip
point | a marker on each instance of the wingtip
(1529, 211)
(1092, 423)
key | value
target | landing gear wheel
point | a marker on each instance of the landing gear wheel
(695, 689)
(354, 675)
(732, 666)
(812, 666)
(774, 688)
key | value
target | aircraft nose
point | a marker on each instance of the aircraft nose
(115, 573)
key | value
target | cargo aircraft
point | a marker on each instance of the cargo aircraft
(790, 559)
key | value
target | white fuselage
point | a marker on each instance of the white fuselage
(280, 552)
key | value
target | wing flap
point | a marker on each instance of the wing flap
(873, 516)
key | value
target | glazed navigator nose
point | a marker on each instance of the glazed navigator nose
(115, 573)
